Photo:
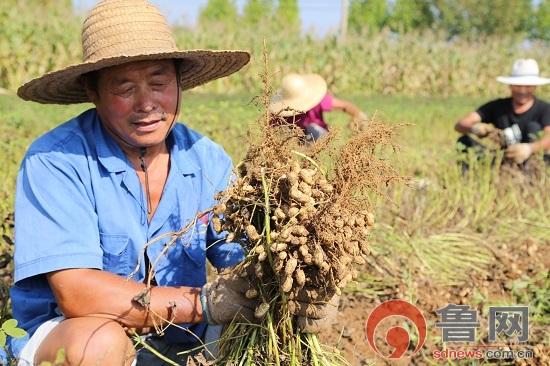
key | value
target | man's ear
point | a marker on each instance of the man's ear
(91, 90)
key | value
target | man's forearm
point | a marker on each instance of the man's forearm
(89, 292)
(461, 128)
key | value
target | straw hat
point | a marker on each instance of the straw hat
(298, 94)
(524, 72)
(121, 31)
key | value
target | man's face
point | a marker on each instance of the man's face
(137, 101)
(522, 94)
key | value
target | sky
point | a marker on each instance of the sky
(318, 16)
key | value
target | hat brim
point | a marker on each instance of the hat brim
(198, 67)
(523, 80)
(317, 88)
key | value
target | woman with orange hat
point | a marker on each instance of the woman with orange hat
(303, 99)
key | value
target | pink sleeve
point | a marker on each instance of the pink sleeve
(326, 103)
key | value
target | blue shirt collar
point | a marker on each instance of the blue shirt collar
(114, 160)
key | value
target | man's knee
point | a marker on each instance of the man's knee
(88, 341)
(464, 142)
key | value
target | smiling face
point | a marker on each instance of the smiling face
(522, 94)
(137, 101)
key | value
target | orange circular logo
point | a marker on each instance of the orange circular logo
(396, 337)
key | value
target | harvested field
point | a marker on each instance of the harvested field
(495, 229)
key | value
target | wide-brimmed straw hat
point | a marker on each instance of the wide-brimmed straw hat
(298, 94)
(120, 31)
(524, 72)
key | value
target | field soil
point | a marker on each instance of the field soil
(511, 263)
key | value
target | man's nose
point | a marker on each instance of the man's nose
(144, 100)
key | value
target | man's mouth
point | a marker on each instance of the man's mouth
(148, 124)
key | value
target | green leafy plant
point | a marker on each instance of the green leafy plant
(9, 328)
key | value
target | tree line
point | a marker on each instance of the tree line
(529, 18)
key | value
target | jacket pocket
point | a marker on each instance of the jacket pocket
(115, 253)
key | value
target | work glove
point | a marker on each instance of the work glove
(481, 129)
(519, 152)
(223, 300)
(313, 316)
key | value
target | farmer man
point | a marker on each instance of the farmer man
(303, 98)
(93, 193)
(522, 119)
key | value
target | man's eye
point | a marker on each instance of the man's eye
(124, 91)
(159, 84)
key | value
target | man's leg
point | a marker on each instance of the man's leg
(174, 352)
(315, 132)
(87, 341)
(464, 144)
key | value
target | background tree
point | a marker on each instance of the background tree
(541, 26)
(256, 11)
(407, 15)
(484, 17)
(218, 11)
(367, 14)
(287, 15)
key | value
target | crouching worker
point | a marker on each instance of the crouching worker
(93, 191)
(522, 121)
(302, 100)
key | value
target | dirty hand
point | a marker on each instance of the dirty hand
(223, 300)
(359, 121)
(519, 152)
(481, 129)
(314, 316)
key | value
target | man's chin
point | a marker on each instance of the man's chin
(146, 142)
(146, 139)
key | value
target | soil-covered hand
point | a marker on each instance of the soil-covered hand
(359, 122)
(313, 316)
(482, 129)
(519, 152)
(223, 300)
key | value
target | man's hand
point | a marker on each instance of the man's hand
(314, 316)
(223, 300)
(481, 129)
(519, 152)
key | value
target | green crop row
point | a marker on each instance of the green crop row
(414, 63)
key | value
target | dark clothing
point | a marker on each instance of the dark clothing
(501, 114)
(466, 143)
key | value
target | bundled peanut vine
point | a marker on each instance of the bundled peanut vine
(313, 235)
(304, 230)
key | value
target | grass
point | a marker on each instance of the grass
(416, 63)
